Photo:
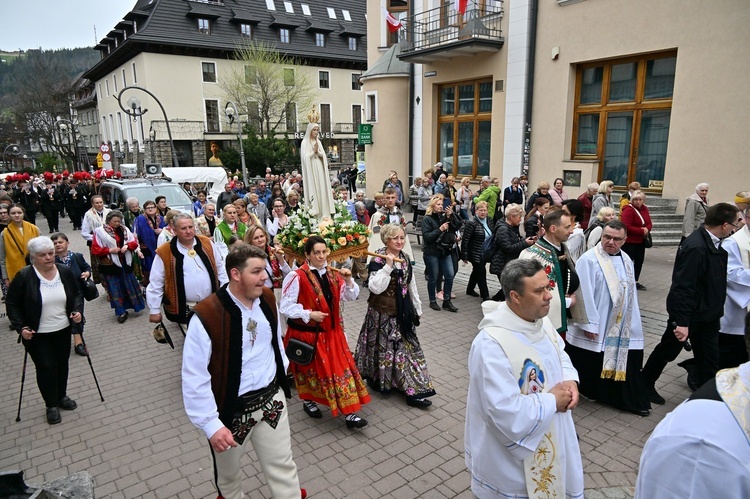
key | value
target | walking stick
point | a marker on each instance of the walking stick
(23, 380)
(88, 356)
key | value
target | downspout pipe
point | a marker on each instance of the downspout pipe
(526, 147)
(411, 99)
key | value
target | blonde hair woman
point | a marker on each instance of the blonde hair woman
(464, 197)
(439, 229)
(542, 191)
(603, 197)
(389, 331)
(594, 231)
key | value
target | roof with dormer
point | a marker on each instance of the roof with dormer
(171, 27)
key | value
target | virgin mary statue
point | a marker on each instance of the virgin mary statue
(315, 175)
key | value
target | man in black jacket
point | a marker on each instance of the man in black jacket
(695, 302)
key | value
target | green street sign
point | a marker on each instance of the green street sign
(365, 134)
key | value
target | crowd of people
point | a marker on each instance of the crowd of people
(566, 316)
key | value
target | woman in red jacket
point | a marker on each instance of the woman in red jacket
(636, 218)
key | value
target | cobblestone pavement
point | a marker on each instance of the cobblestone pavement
(139, 443)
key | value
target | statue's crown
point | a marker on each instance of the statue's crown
(313, 117)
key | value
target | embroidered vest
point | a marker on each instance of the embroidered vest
(174, 301)
(222, 320)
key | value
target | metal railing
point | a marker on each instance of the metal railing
(444, 25)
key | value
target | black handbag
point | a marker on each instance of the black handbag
(300, 352)
(90, 290)
(648, 241)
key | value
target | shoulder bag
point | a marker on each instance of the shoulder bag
(300, 352)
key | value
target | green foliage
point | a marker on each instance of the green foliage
(263, 152)
(230, 158)
(47, 162)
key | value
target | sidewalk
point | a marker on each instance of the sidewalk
(139, 443)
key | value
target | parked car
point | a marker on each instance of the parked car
(116, 191)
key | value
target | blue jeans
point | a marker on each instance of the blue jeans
(436, 264)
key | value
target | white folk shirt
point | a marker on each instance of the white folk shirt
(599, 303)
(290, 306)
(92, 220)
(258, 365)
(503, 426)
(196, 277)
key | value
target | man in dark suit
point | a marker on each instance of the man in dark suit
(695, 302)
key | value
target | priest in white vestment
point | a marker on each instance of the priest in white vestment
(519, 437)
(732, 324)
(315, 175)
(702, 448)
(607, 351)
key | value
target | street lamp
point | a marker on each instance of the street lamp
(63, 124)
(230, 110)
(134, 110)
(15, 150)
(152, 138)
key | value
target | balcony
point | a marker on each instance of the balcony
(442, 34)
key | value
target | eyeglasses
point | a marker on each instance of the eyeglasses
(735, 225)
(612, 238)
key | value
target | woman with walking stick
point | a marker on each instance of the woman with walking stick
(44, 300)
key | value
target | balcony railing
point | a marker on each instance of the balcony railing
(444, 29)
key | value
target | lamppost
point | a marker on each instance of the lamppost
(230, 110)
(15, 150)
(152, 138)
(134, 104)
(63, 124)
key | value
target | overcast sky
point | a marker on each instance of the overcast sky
(54, 24)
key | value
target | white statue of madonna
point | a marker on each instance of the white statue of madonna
(315, 175)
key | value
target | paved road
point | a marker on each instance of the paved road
(139, 443)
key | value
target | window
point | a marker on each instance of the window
(250, 75)
(204, 26)
(347, 16)
(622, 116)
(325, 117)
(212, 116)
(355, 81)
(371, 107)
(106, 84)
(356, 116)
(288, 7)
(284, 35)
(306, 9)
(101, 94)
(246, 30)
(270, 5)
(209, 72)
(464, 127)
(290, 113)
(320, 39)
(324, 79)
(114, 82)
(289, 77)
(352, 43)
(253, 114)
(124, 81)
(331, 12)
(399, 9)
(135, 76)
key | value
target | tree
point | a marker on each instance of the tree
(266, 86)
(267, 152)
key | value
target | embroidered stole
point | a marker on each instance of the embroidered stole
(542, 470)
(558, 283)
(617, 337)
(733, 386)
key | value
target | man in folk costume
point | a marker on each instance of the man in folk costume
(388, 214)
(92, 220)
(702, 448)
(186, 270)
(229, 226)
(732, 324)
(311, 301)
(550, 250)
(234, 382)
(519, 437)
(607, 351)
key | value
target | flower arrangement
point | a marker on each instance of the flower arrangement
(340, 232)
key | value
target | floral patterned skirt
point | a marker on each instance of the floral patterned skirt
(332, 378)
(124, 292)
(388, 361)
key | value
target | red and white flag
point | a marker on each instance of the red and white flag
(393, 23)
(460, 6)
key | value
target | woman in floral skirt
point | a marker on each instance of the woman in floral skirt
(388, 352)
